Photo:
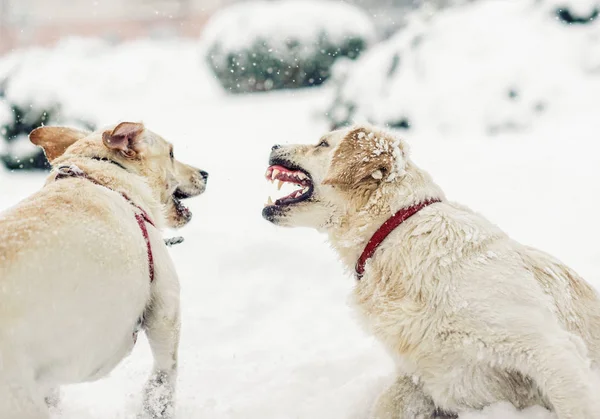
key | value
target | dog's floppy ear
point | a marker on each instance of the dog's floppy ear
(364, 154)
(124, 138)
(55, 140)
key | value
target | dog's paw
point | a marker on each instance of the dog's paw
(159, 397)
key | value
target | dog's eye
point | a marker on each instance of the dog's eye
(323, 143)
(171, 154)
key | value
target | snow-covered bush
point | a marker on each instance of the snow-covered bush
(90, 82)
(263, 45)
(15, 125)
(488, 65)
(576, 12)
(23, 107)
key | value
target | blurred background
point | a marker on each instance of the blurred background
(401, 63)
(58, 56)
(498, 99)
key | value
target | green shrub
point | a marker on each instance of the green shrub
(262, 68)
(260, 46)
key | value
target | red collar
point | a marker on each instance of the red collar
(384, 231)
(142, 217)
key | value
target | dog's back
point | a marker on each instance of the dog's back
(72, 247)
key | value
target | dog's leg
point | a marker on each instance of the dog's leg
(162, 325)
(162, 329)
(403, 400)
(557, 365)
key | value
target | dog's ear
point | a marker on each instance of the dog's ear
(55, 140)
(124, 138)
(363, 155)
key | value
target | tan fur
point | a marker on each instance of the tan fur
(348, 164)
(470, 316)
(124, 138)
(55, 140)
(74, 270)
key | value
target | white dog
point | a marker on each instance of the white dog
(471, 316)
(83, 266)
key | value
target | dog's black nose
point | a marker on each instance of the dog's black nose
(275, 147)
(204, 174)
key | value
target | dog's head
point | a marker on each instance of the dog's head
(337, 176)
(136, 150)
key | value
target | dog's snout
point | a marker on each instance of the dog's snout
(203, 174)
(275, 147)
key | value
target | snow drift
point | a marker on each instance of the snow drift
(488, 66)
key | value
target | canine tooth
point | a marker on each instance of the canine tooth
(302, 175)
(305, 190)
(270, 201)
(279, 184)
(275, 173)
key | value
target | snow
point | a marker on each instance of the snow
(6, 115)
(301, 20)
(486, 66)
(20, 147)
(267, 329)
(83, 74)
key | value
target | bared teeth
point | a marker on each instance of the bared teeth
(280, 177)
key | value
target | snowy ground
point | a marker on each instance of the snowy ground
(267, 331)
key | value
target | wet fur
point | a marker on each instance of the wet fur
(470, 316)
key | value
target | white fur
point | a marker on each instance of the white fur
(470, 316)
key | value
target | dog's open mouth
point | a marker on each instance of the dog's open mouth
(183, 211)
(283, 174)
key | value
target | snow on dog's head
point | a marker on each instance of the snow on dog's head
(131, 149)
(348, 171)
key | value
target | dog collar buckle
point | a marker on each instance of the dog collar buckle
(69, 171)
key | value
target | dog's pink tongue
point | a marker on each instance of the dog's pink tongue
(280, 168)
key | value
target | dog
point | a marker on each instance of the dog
(470, 316)
(83, 267)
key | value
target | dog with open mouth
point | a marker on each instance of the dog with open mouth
(83, 267)
(470, 316)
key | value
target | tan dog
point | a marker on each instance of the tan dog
(83, 266)
(471, 316)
